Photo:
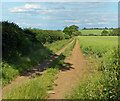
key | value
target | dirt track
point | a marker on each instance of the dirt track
(68, 79)
(38, 70)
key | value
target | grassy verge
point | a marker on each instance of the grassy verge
(104, 83)
(36, 56)
(56, 46)
(37, 88)
(68, 50)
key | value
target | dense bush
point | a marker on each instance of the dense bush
(44, 36)
(13, 40)
(8, 73)
(110, 68)
(104, 33)
(77, 33)
(113, 32)
(18, 42)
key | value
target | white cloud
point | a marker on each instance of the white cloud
(23, 23)
(98, 23)
(31, 6)
(101, 23)
(72, 21)
(31, 9)
(39, 24)
(78, 24)
(26, 7)
(90, 24)
(86, 20)
(46, 17)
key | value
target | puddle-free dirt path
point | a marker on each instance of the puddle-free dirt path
(38, 70)
(68, 79)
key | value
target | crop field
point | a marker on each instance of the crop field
(98, 45)
(93, 31)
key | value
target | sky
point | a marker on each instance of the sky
(57, 15)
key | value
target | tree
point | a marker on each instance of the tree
(104, 33)
(77, 33)
(69, 30)
(115, 32)
(84, 28)
(13, 40)
(106, 28)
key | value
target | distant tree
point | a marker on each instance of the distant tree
(69, 30)
(115, 32)
(59, 30)
(84, 28)
(106, 28)
(77, 33)
(66, 30)
(104, 33)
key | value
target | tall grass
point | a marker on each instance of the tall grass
(68, 50)
(37, 88)
(54, 47)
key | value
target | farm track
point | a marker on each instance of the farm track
(67, 79)
(37, 70)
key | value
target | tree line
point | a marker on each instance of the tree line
(18, 42)
(114, 32)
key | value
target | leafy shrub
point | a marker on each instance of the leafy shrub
(104, 33)
(44, 36)
(13, 40)
(8, 73)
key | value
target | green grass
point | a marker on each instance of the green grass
(69, 48)
(36, 56)
(56, 46)
(58, 63)
(98, 45)
(8, 73)
(36, 88)
(93, 31)
(87, 88)
(103, 83)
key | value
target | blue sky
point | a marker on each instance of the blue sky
(57, 15)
